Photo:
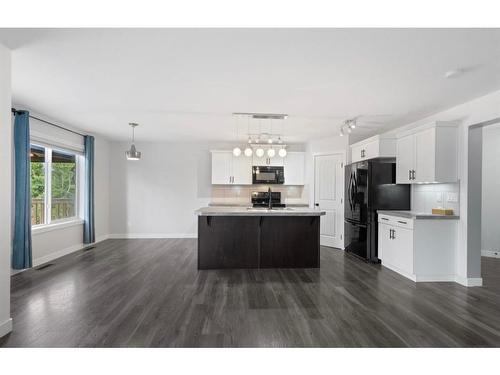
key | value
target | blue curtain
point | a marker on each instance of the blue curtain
(21, 247)
(88, 211)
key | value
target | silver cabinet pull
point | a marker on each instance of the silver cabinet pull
(384, 218)
(402, 222)
(409, 174)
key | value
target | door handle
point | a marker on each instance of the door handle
(316, 204)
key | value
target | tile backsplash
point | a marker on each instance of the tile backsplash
(241, 194)
(425, 197)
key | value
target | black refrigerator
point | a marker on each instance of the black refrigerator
(370, 186)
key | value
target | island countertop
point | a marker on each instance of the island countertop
(251, 211)
(417, 215)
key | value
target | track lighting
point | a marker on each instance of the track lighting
(133, 154)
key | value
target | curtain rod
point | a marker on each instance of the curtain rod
(50, 123)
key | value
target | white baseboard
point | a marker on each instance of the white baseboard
(6, 327)
(435, 278)
(153, 235)
(60, 253)
(490, 254)
(469, 281)
(57, 254)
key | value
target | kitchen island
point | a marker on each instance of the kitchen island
(246, 237)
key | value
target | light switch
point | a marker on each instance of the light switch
(439, 197)
(452, 197)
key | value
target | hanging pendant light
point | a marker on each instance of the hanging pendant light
(282, 152)
(271, 152)
(248, 152)
(236, 151)
(133, 154)
(259, 152)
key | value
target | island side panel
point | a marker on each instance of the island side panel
(228, 242)
(290, 242)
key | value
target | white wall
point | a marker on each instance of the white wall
(425, 197)
(5, 188)
(158, 195)
(475, 111)
(490, 233)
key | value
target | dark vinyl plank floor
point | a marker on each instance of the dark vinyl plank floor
(148, 293)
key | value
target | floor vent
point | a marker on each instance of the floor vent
(44, 266)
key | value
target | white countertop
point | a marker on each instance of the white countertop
(418, 215)
(250, 211)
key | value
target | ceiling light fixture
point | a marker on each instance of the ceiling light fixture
(454, 73)
(248, 152)
(259, 152)
(271, 152)
(282, 152)
(133, 154)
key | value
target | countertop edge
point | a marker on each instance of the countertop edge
(417, 215)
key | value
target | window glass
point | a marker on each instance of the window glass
(63, 185)
(37, 156)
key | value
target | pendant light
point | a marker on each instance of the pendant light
(271, 152)
(237, 150)
(282, 152)
(259, 152)
(248, 150)
(133, 154)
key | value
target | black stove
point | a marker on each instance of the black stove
(261, 199)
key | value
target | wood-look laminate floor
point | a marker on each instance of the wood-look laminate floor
(148, 293)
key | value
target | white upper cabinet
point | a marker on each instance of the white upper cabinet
(242, 170)
(374, 147)
(230, 170)
(428, 154)
(275, 161)
(294, 168)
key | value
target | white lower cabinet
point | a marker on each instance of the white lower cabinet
(419, 249)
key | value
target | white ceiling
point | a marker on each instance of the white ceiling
(183, 84)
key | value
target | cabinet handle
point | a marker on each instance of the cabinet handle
(414, 174)
(384, 218)
(402, 222)
(394, 234)
(390, 233)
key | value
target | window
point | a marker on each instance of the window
(54, 181)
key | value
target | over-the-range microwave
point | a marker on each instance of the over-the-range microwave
(268, 175)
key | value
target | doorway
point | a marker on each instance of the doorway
(329, 197)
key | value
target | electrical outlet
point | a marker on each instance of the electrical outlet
(452, 197)
(439, 197)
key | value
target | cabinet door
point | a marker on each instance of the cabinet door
(276, 161)
(405, 156)
(294, 168)
(403, 249)
(385, 242)
(242, 170)
(259, 161)
(221, 167)
(371, 150)
(356, 154)
(425, 156)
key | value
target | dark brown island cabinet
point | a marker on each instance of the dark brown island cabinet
(240, 237)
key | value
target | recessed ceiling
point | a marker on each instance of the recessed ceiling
(184, 84)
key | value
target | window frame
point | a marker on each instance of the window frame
(77, 218)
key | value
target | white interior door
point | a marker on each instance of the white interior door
(329, 197)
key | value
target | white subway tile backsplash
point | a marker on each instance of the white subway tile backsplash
(238, 194)
(425, 197)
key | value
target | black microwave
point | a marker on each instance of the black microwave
(268, 175)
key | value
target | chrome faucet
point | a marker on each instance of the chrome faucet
(270, 202)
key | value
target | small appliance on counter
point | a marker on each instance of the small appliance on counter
(261, 199)
(442, 211)
(268, 175)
